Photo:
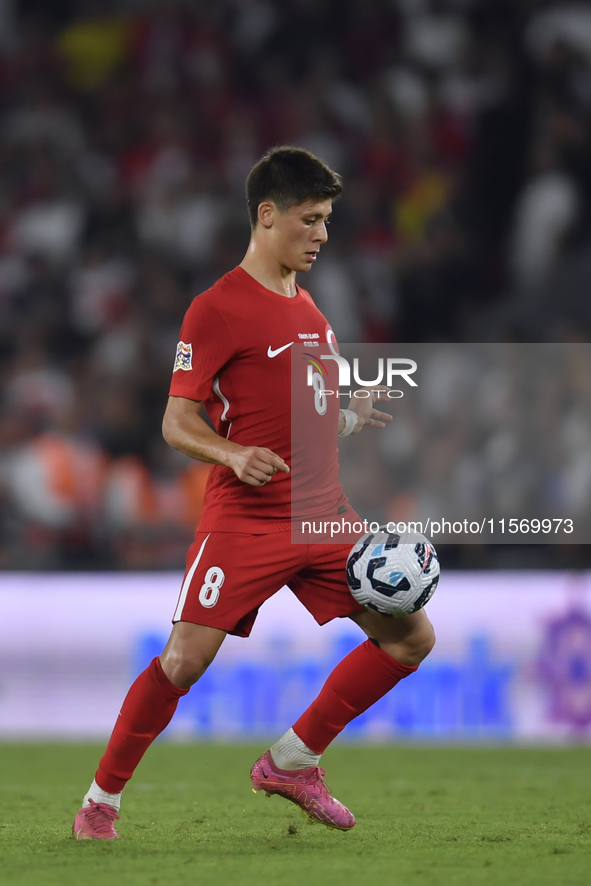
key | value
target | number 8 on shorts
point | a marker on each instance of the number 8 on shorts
(210, 589)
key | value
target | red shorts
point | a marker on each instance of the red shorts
(229, 575)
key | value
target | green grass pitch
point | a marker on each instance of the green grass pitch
(426, 816)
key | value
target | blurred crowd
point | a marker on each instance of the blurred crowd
(462, 129)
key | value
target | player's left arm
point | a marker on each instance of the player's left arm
(362, 405)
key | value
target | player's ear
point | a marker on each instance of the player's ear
(266, 213)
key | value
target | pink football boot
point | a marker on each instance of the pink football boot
(304, 787)
(95, 822)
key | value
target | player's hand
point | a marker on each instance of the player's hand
(256, 465)
(365, 410)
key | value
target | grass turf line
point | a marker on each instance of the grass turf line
(427, 816)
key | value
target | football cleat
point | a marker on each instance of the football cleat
(304, 787)
(95, 822)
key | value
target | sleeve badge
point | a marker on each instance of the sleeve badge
(184, 357)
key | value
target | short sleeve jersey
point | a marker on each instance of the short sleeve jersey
(235, 356)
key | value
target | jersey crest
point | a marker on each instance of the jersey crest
(184, 356)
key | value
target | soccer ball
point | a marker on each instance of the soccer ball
(393, 573)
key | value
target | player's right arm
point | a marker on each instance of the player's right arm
(184, 429)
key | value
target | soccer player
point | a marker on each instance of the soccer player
(234, 360)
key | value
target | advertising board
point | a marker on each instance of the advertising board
(512, 660)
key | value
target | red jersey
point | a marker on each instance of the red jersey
(235, 356)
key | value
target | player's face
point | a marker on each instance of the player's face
(299, 233)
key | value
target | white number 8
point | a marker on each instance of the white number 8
(210, 589)
(320, 400)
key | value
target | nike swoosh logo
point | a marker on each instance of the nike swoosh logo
(272, 353)
(264, 773)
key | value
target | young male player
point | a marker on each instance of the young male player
(234, 359)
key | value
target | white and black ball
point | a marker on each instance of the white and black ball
(393, 573)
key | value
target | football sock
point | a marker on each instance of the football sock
(99, 796)
(357, 682)
(147, 710)
(290, 752)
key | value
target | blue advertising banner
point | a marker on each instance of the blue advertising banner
(512, 661)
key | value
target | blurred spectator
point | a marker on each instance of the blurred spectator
(93, 46)
(100, 289)
(546, 211)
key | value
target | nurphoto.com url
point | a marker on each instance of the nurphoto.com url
(490, 525)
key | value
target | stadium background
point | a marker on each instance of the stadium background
(462, 130)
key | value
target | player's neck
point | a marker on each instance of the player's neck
(269, 273)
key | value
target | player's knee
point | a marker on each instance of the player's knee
(184, 670)
(426, 641)
(417, 646)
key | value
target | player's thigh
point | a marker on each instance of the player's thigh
(409, 638)
(229, 575)
(322, 585)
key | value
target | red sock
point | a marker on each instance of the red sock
(357, 682)
(147, 710)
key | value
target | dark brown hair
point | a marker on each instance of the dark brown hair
(289, 176)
